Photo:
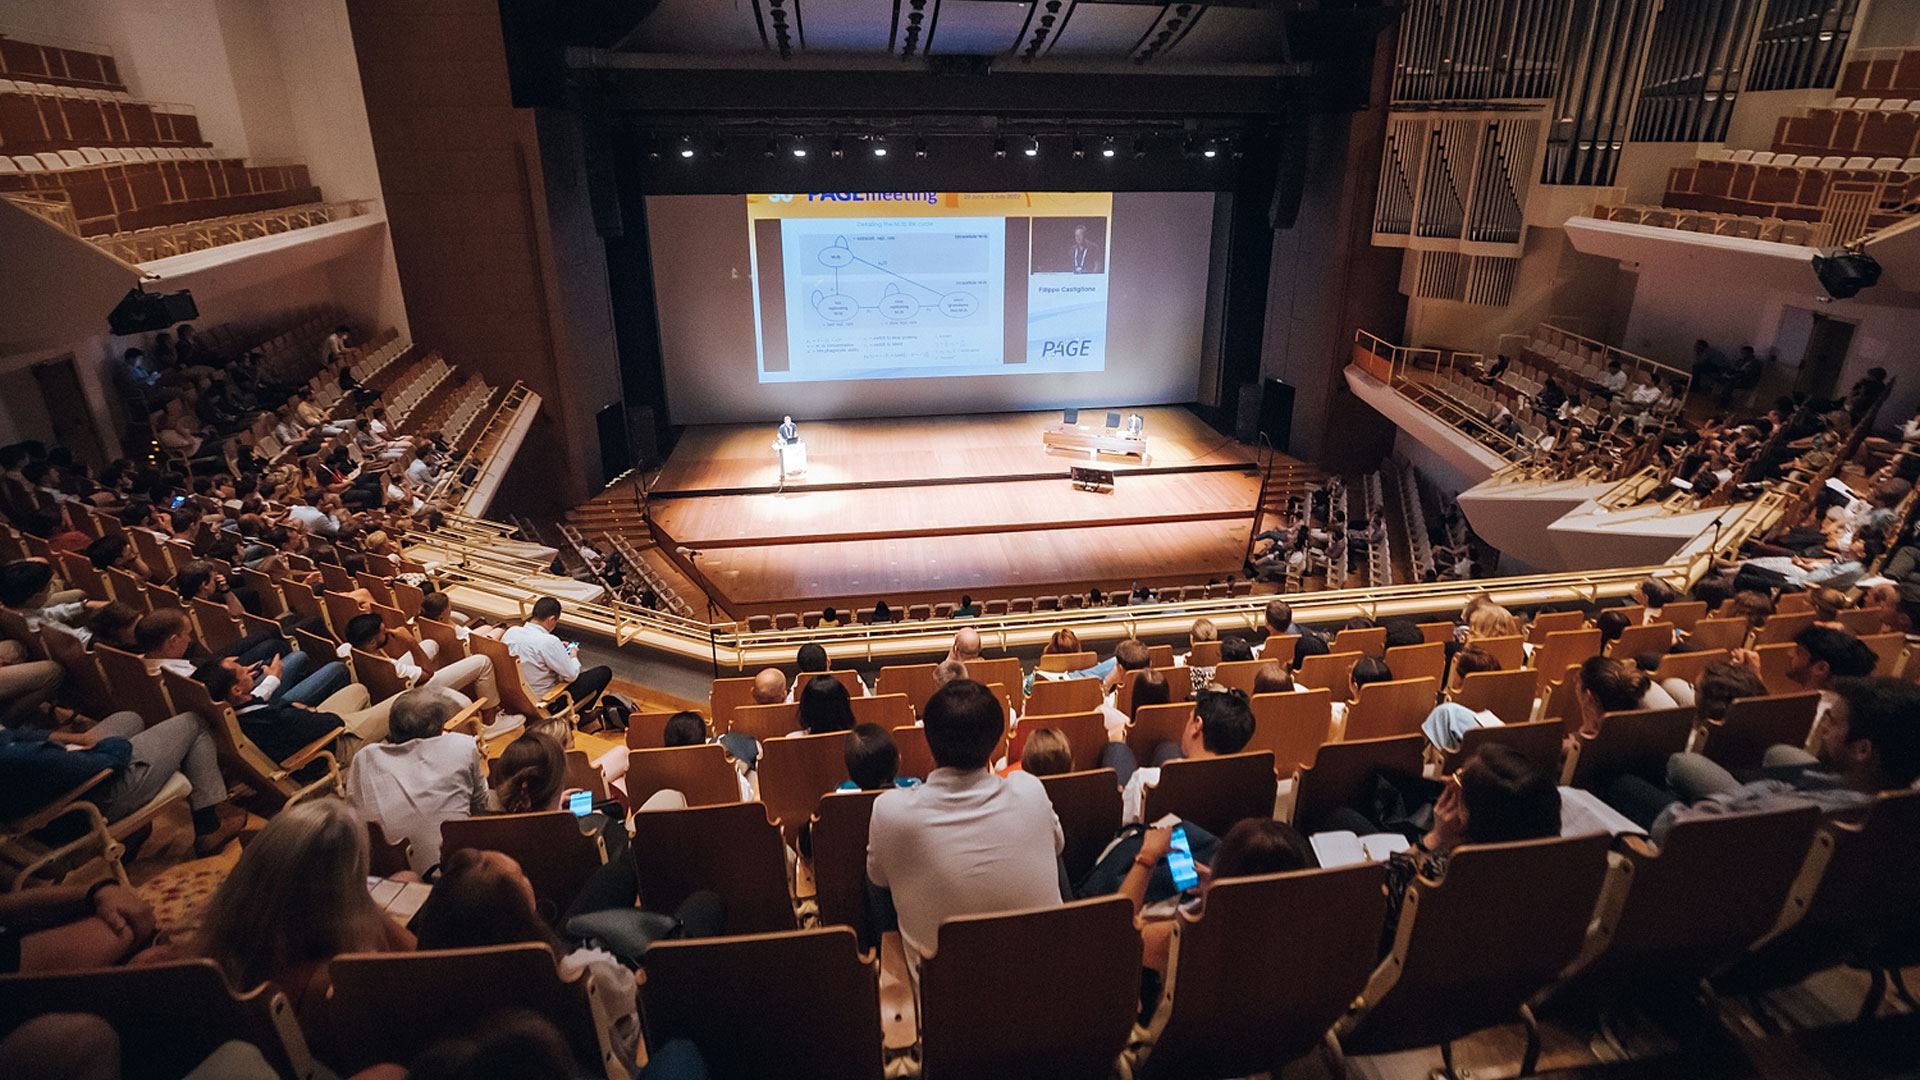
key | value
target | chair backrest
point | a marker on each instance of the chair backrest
(726, 696)
(1510, 650)
(766, 722)
(1506, 694)
(916, 759)
(1549, 622)
(1888, 648)
(1562, 648)
(1467, 956)
(1684, 613)
(169, 1017)
(1390, 708)
(395, 1005)
(445, 635)
(1062, 662)
(1427, 661)
(1160, 656)
(732, 850)
(1086, 734)
(1863, 621)
(240, 759)
(796, 772)
(700, 990)
(1640, 640)
(1279, 647)
(1715, 633)
(387, 857)
(1089, 808)
(648, 730)
(1540, 742)
(515, 695)
(990, 1000)
(550, 847)
(1739, 739)
(1155, 724)
(1216, 792)
(1715, 886)
(839, 836)
(1179, 685)
(1004, 670)
(1441, 632)
(887, 710)
(1637, 742)
(1234, 1003)
(913, 680)
(132, 687)
(1239, 674)
(1371, 641)
(1329, 671)
(84, 679)
(1783, 626)
(1688, 666)
(1292, 725)
(1203, 653)
(383, 680)
(703, 773)
(848, 679)
(1056, 696)
(1339, 769)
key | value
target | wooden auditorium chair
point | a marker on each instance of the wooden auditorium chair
(1539, 742)
(1086, 734)
(1215, 793)
(1508, 695)
(733, 850)
(839, 843)
(1339, 769)
(1053, 697)
(1739, 740)
(1291, 724)
(552, 850)
(1396, 707)
(1089, 808)
(704, 774)
(275, 784)
(1637, 742)
(795, 773)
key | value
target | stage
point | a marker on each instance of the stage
(926, 509)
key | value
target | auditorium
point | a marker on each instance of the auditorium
(741, 539)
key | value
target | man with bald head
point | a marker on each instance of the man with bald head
(966, 646)
(769, 687)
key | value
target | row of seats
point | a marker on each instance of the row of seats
(1847, 132)
(1894, 163)
(1018, 605)
(110, 198)
(31, 61)
(1896, 75)
(164, 241)
(45, 119)
(1745, 226)
(1786, 191)
(1870, 103)
(87, 157)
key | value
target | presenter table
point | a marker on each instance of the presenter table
(1082, 439)
(793, 457)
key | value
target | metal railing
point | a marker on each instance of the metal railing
(164, 241)
(57, 212)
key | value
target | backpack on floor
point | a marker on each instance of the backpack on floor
(613, 711)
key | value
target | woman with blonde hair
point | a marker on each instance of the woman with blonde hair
(1490, 620)
(1064, 642)
(296, 899)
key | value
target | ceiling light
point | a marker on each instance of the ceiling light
(1107, 148)
(834, 148)
(879, 147)
(686, 146)
(1212, 149)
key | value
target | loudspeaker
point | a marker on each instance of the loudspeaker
(140, 312)
(1276, 414)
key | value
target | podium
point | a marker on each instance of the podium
(793, 457)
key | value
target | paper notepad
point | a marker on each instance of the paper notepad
(1342, 848)
(400, 899)
(1583, 812)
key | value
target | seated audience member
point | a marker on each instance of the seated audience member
(421, 776)
(966, 841)
(71, 927)
(25, 685)
(946, 671)
(282, 729)
(1470, 660)
(1047, 753)
(1130, 654)
(1254, 846)
(165, 637)
(1827, 605)
(1150, 687)
(1272, 677)
(1203, 630)
(966, 646)
(1222, 724)
(1866, 742)
(1752, 606)
(688, 728)
(116, 551)
(112, 624)
(825, 706)
(1367, 669)
(412, 660)
(1607, 685)
(547, 662)
(967, 609)
(1653, 595)
(1279, 618)
(873, 760)
(812, 659)
(37, 767)
(1820, 654)
(1611, 624)
(1404, 632)
(296, 899)
(769, 686)
(829, 618)
(532, 775)
(1235, 650)
(26, 589)
(1494, 798)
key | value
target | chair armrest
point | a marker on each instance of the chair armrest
(306, 754)
(556, 692)
(56, 809)
(467, 717)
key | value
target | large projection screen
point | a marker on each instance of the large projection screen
(851, 304)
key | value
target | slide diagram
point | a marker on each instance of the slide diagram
(900, 299)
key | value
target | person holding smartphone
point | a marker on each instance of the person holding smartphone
(1253, 846)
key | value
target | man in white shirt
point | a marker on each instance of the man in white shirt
(1615, 380)
(26, 589)
(547, 662)
(967, 840)
(1222, 724)
(421, 776)
(164, 636)
(812, 659)
(411, 659)
(311, 518)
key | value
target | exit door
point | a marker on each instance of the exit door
(67, 413)
(1826, 354)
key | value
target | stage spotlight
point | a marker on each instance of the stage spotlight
(1033, 146)
(686, 146)
(879, 146)
(1139, 147)
(999, 147)
(799, 148)
(834, 148)
(1212, 149)
(1844, 274)
(1079, 151)
(920, 148)
(1107, 148)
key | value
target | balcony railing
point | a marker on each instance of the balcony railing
(165, 241)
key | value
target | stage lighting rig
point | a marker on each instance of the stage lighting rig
(686, 146)
(879, 146)
(1033, 146)
(1107, 149)
(1847, 271)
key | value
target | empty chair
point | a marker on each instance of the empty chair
(1215, 792)
(991, 1000)
(393, 1006)
(734, 851)
(1235, 1003)
(705, 990)
(1467, 957)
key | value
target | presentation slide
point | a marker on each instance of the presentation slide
(842, 304)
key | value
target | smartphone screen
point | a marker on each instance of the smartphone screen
(1180, 861)
(581, 803)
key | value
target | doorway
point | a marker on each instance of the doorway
(1825, 355)
(69, 420)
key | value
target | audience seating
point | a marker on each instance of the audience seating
(168, 1017)
(1235, 1002)
(704, 774)
(1215, 792)
(766, 722)
(552, 850)
(1637, 742)
(274, 783)
(1465, 959)
(1562, 648)
(1688, 667)
(732, 850)
(1427, 661)
(1510, 651)
(1639, 640)
(1063, 696)
(795, 773)
(1329, 671)
(1155, 724)
(1291, 725)
(887, 710)
(1089, 808)
(1539, 742)
(800, 1002)
(1385, 709)
(839, 842)
(913, 680)
(916, 760)
(1339, 769)
(1506, 694)
(1086, 734)
(1025, 1028)
(1740, 739)
(1279, 648)
(393, 1006)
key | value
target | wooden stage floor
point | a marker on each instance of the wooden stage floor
(924, 510)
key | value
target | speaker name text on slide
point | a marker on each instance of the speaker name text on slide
(853, 286)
